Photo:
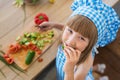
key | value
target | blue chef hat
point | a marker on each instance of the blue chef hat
(103, 16)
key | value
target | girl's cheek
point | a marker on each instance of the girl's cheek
(65, 37)
(81, 47)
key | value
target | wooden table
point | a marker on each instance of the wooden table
(13, 21)
(12, 24)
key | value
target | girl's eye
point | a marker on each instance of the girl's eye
(81, 38)
(70, 31)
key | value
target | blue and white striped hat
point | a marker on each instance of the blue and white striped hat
(103, 16)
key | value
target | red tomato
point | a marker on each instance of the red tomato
(39, 52)
(8, 59)
(40, 59)
(6, 56)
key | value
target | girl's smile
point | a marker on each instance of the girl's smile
(74, 39)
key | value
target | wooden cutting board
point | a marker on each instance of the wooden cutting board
(20, 56)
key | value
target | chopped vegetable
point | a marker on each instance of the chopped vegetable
(14, 48)
(40, 59)
(18, 38)
(13, 64)
(23, 40)
(36, 38)
(8, 59)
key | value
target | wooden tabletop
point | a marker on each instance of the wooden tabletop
(12, 24)
(14, 20)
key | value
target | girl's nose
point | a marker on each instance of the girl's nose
(71, 42)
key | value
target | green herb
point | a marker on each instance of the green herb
(63, 46)
(18, 3)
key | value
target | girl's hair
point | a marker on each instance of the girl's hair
(85, 27)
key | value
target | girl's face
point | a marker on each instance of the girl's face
(74, 39)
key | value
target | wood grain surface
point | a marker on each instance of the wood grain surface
(12, 24)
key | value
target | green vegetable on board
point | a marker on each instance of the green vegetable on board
(29, 57)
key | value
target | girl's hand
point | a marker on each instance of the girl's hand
(49, 25)
(72, 57)
(46, 26)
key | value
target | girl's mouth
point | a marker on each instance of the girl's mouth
(65, 44)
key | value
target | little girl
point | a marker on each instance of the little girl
(93, 24)
(76, 59)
